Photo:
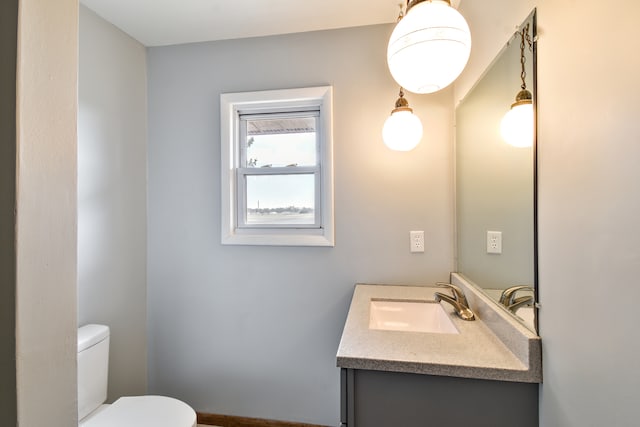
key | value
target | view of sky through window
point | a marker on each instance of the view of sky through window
(280, 191)
(280, 150)
(281, 143)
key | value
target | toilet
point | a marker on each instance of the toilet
(138, 411)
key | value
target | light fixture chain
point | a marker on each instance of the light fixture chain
(524, 35)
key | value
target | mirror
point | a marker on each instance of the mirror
(495, 184)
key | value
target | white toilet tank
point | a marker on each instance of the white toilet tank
(93, 368)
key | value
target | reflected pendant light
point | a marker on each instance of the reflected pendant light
(402, 130)
(516, 127)
(429, 46)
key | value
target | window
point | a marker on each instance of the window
(277, 172)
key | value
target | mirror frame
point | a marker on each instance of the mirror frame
(536, 285)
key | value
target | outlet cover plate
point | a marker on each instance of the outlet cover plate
(417, 241)
(494, 242)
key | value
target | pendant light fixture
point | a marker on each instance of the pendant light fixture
(429, 46)
(402, 130)
(516, 127)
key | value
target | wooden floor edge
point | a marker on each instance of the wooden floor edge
(233, 421)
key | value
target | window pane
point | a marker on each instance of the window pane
(280, 142)
(281, 199)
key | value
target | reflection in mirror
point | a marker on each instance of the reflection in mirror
(495, 184)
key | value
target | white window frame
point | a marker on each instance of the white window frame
(301, 99)
(244, 172)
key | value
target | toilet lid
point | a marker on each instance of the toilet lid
(144, 411)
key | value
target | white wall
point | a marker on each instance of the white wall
(253, 331)
(589, 201)
(112, 204)
(46, 213)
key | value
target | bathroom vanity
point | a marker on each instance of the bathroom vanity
(483, 372)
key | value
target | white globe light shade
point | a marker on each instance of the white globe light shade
(429, 47)
(402, 131)
(516, 127)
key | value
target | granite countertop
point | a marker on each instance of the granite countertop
(476, 352)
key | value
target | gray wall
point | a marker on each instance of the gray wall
(253, 331)
(112, 204)
(8, 51)
(589, 200)
(588, 225)
(46, 243)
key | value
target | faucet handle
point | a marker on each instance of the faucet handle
(461, 309)
(458, 295)
(521, 302)
(508, 295)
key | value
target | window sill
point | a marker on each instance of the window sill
(278, 239)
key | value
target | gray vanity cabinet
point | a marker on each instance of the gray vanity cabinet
(390, 399)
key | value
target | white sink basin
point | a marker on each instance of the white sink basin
(410, 316)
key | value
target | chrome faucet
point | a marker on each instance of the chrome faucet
(458, 300)
(509, 300)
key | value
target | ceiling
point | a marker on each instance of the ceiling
(166, 22)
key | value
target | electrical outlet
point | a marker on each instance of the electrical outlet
(417, 241)
(494, 242)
